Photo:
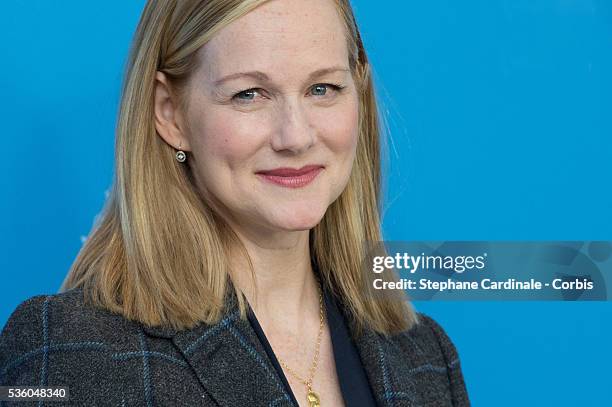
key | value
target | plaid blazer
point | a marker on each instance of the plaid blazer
(107, 360)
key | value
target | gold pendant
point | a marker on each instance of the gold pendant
(313, 399)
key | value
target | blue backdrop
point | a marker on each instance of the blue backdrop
(499, 114)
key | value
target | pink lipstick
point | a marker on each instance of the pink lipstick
(291, 177)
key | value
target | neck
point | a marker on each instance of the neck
(283, 289)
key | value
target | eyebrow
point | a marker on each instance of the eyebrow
(265, 78)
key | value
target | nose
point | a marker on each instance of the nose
(295, 132)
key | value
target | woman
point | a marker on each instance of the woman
(225, 269)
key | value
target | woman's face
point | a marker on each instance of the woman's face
(273, 90)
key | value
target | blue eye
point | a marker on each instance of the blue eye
(248, 94)
(320, 89)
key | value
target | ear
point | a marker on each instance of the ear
(167, 115)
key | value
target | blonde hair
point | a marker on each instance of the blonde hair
(158, 253)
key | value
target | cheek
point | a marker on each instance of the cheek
(340, 128)
(224, 141)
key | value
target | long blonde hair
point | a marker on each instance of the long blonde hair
(158, 253)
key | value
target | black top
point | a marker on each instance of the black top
(354, 384)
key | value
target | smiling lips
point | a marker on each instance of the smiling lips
(291, 177)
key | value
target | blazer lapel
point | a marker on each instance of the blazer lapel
(229, 361)
(367, 345)
(382, 362)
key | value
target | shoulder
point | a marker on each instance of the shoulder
(59, 324)
(18, 333)
(102, 357)
(61, 317)
(426, 349)
(433, 339)
(425, 342)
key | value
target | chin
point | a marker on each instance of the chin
(300, 221)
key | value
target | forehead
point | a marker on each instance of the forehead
(279, 36)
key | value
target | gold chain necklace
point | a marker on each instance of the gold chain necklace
(313, 398)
